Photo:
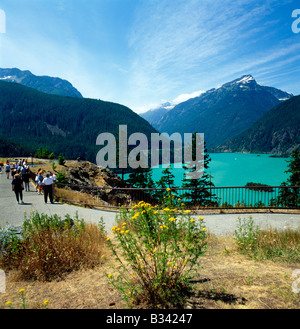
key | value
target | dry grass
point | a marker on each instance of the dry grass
(226, 279)
(78, 197)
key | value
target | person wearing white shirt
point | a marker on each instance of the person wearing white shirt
(48, 189)
(53, 176)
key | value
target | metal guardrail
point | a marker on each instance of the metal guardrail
(254, 197)
(197, 198)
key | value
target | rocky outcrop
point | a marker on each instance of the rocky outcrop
(87, 177)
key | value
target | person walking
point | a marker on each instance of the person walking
(18, 187)
(26, 177)
(48, 189)
(7, 169)
(39, 182)
(53, 176)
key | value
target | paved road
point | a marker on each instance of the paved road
(220, 224)
(12, 213)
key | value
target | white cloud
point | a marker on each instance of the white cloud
(184, 97)
(194, 44)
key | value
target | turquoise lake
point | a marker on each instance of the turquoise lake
(237, 169)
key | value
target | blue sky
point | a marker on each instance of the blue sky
(141, 53)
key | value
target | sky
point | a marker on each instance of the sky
(142, 53)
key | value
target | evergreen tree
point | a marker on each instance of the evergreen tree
(61, 160)
(166, 181)
(141, 178)
(290, 197)
(197, 196)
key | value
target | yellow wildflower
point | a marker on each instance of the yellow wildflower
(187, 211)
(124, 224)
(107, 239)
(168, 189)
(172, 219)
(8, 303)
(21, 290)
(204, 229)
(154, 251)
(46, 302)
(201, 218)
(109, 276)
(114, 228)
(127, 231)
(192, 220)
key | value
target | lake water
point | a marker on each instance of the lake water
(237, 169)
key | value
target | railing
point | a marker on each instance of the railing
(206, 197)
(259, 197)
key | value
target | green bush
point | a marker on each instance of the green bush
(158, 251)
(51, 247)
(246, 235)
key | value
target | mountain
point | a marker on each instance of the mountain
(45, 84)
(11, 149)
(153, 116)
(62, 124)
(277, 131)
(224, 112)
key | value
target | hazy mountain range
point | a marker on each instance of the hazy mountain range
(45, 84)
(239, 116)
(220, 113)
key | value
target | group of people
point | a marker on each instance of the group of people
(20, 173)
(45, 181)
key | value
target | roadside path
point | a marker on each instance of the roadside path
(13, 214)
(220, 224)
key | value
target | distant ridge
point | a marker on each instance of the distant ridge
(276, 132)
(62, 124)
(220, 113)
(46, 84)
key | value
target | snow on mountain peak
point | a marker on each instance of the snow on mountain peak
(245, 79)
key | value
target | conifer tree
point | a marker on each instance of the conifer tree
(197, 196)
(290, 197)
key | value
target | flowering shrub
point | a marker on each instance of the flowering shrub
(158, 251)
(246, 235)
